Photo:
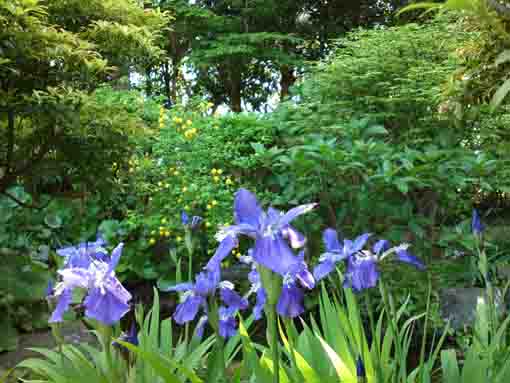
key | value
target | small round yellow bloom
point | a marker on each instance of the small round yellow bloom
(219, 172)
(176, 173)
(214, 202)
(214, 171)
(216, 178)
(153, 232)
(228, 181)
(160, 183)
(178, 238)
(152, 241)
(188, 122)
(208, 224)
(184, 189)
(209, 206)
(131, 170)
(163, 221)
(167, 185)
(162, 228)
(167, 233)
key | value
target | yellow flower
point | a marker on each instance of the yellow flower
(209, 206)
(179, 200)
(184, 189)
(167, 233)
(152, 241)
(161, 228)
(208, 224)
(186, 207)
(163, 221)
(228, 181)
(167, 185)
(214, 202)
(214, 171)
(160, 183)
(209, 104)
(188, 122)
(220, 172)
(216, 178)
(178, 238)
(176, 173)
(131, 170)
(153, 232)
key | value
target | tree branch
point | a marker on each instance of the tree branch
(24, 204)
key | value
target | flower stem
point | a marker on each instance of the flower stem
(375, 338)
(105, 332)
(272, 338)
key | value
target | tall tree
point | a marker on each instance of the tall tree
(53, 55)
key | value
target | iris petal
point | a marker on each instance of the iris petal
(233, 299)
(323, 269)
(296, 239)
(290, 303)
(295, 212)
(330, 239)
(64, 301)
(381, 246)
(405, 256)
(105, 306)
(274, 254)
(362, 273)
(246, 208)
(223, 250)
(260, 301)
(187, 310)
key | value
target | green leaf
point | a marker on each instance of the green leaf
(500, 94)
(9, 338)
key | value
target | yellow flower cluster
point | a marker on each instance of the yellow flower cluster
(212, 204)
(216, 174)
(162, 117)
(185, 126)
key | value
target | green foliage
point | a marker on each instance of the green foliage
(54, 56)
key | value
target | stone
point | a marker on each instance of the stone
(458, 305)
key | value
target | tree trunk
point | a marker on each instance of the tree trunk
(235, 90)
(286, 81)
(166, 79)
(148, 82)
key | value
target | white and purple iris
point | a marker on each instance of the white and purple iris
(84, 253)
(362, 265)
(107, 300)
(272, 233)
(195, 296)
(193, 223)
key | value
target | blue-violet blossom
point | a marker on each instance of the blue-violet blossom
(476, 223)
(270, 229)
(194, 299)
(106, 299)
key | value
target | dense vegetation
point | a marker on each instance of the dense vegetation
(146, 124)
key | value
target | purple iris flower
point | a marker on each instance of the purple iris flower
(49, 288)
(271, 230)
(336, 252)
(360, 368)
(194, 300)
(106, 299)
(129, 337)
(195, 220)
(227, 323)
(476, 223)
(290, 303)
(362, 266)
(260, 294)
(83, 254)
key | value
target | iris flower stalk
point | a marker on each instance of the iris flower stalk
(279, 268)
(201, 296)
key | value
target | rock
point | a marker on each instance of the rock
(458, 305)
